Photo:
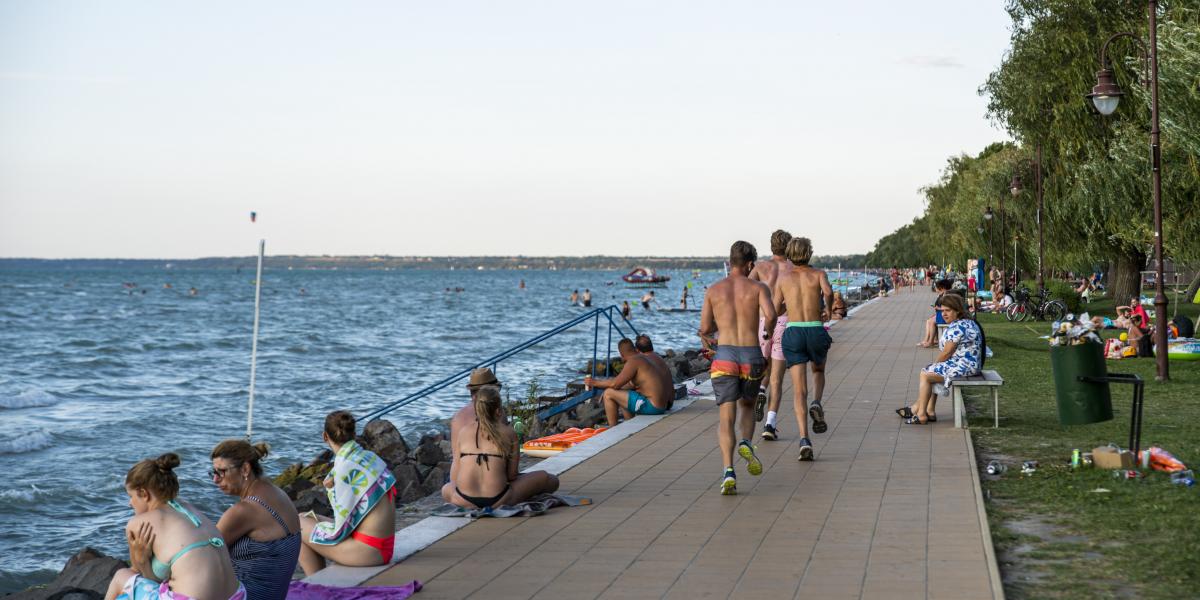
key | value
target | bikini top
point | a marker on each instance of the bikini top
(163, 570)
(481, 458)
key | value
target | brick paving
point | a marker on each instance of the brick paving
(886, 511)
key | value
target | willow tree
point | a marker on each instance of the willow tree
(1098, 200)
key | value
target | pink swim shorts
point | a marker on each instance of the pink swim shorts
(775, 351)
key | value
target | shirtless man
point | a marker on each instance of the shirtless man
(768, 272)
(733, 306)
(587, 297)
(642, 388)
(647, 298)
(805, 340)
(575, 297)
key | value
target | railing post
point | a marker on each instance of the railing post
(608, 355)
(596, 344)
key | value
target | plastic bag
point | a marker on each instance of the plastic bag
(1161, 460)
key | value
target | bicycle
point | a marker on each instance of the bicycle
(1042, 308)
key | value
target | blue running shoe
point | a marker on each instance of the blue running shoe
(746, 451)
(806, 449)
(729, 484)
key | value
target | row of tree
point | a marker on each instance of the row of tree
(1096, 169)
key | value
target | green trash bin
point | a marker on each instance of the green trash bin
(1080, 402)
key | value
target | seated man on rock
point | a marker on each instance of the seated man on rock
(643, 387)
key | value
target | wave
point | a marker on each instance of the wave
(27, 443)
(29, 399)
(23, 495)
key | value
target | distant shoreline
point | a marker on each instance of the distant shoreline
(382, 262)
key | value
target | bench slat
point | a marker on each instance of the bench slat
(989, 378)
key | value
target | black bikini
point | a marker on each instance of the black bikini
(481, 458)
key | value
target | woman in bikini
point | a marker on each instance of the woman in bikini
(360, 486)
(262, 530)
(486, 451)
(174, 550)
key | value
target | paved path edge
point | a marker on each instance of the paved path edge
(989, 549)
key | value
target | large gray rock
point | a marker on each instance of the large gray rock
(683, 367)
(699, 365)
(314, 499)
(408, 483)
(85, 577)
(429, 453)
(435, 479)
(380, 434)
(394, 454)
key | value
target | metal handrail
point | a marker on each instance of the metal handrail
(493, 361)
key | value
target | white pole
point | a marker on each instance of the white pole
(254, 342)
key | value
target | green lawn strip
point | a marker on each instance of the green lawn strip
(1141, 538)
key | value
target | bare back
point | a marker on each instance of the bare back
(205, 572)
(483, 475)
(769, 271)
(733, 306)
(802, 291)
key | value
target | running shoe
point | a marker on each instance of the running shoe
(746, 451)
(729, 484)
(769, 433)
(806, 450)
(817, 412)
(759, 404)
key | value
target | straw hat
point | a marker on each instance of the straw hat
(481, 377)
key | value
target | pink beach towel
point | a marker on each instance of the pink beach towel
(298, 590)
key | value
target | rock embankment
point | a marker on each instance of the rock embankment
(84, 577)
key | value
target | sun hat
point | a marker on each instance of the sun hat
(481, 377)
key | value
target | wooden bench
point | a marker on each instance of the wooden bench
(989, 379)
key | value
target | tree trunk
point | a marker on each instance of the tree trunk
(1193, 288)
(1127, 276)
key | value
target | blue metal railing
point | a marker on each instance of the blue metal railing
(594, 315)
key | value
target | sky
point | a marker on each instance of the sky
(556, 127)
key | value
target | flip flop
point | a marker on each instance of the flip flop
(905, 412)
(914, 420)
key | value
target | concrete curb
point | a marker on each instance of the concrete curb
(989, 549)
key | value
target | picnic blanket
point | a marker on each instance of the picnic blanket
(299, 590)
(530, 508)
(360, 480)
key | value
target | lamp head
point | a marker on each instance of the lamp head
(979, 230)
(987, 214)
(1014, 186)
(1106, 93)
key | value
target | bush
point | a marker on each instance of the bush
(1059, 290)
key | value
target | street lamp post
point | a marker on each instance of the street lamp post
(1105, 95)
(1015, 188)
(987, 216)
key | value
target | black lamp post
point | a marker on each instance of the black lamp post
(987, 216)
(1105, 95)
(1015, 188)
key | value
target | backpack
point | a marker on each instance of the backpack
(1185, 326)
(1145, 346)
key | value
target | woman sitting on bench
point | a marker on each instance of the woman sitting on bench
(962, 352)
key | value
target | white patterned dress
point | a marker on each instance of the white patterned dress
(964, 362)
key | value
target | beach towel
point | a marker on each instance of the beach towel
(360, 480)
(140, 588)
(530, 508)
(299, 590)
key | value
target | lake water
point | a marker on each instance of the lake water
(94, 378)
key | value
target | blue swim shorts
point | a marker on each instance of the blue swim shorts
(641, 405)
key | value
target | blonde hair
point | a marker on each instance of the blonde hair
(779, 242)
(799, 251)
(156, 476)
(242, 452)
(487, 411)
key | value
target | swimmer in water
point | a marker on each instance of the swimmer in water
(193, 292)
(521, 286)
(647, 299)
(587, 297)
(625, 310)
(575, 297)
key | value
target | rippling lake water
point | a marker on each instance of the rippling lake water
(94, 377)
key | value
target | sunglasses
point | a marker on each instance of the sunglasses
(219, 474)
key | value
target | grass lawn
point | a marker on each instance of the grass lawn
(1056, 534)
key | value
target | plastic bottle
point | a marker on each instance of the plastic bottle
(996, 468)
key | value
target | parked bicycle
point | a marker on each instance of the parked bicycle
(1025, 307)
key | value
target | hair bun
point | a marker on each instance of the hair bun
(167, 461)
(262, 449)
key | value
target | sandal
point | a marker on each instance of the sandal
(914, 420)
(931, 418)
(905, 413)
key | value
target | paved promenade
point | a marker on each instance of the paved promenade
(886, 511)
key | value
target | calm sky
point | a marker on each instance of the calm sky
(153, 129)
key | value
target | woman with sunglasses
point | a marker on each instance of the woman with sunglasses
(262, 529)
(962, 345)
